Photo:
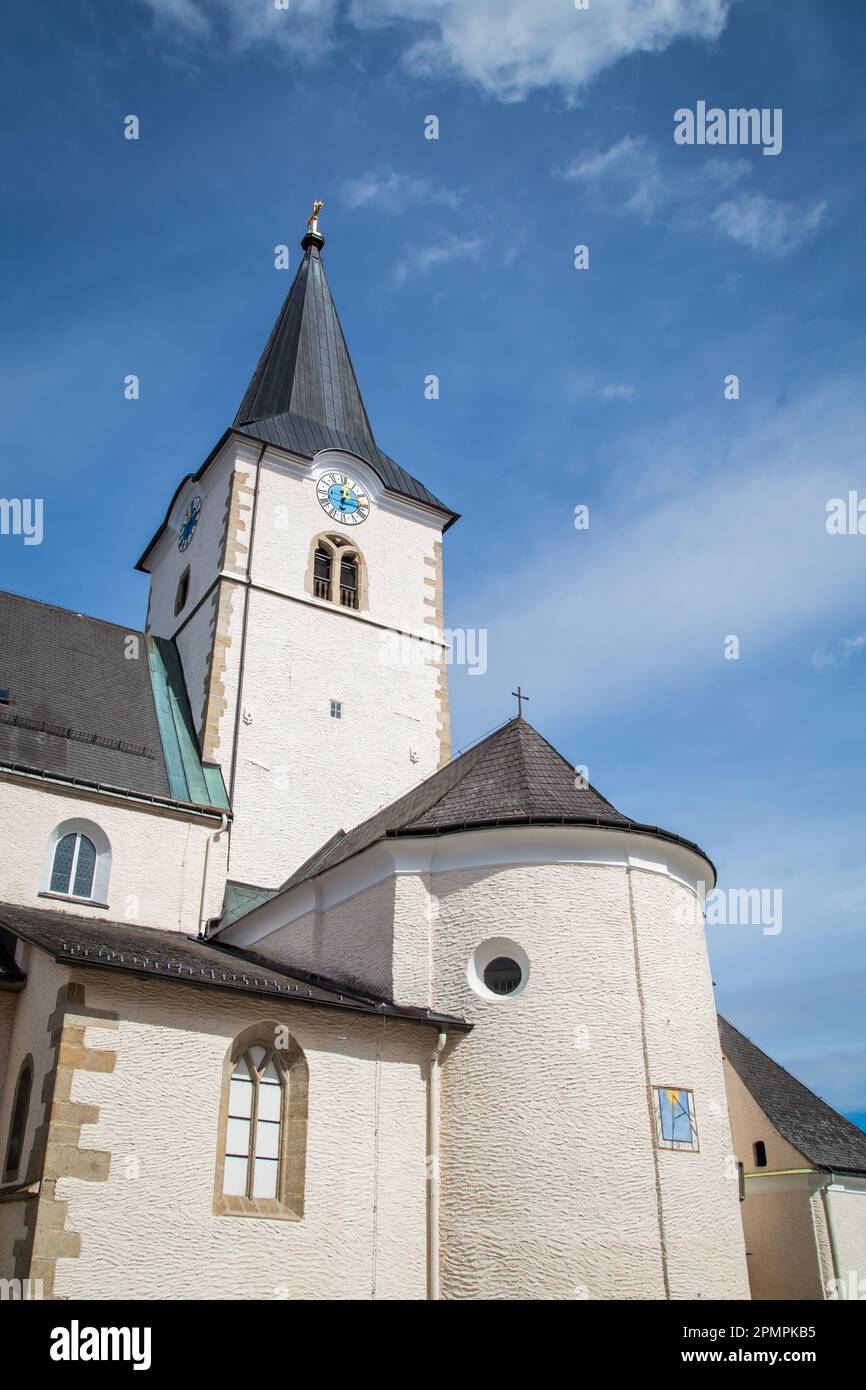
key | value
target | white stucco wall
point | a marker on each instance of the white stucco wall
(157, 856)
(302, 775)
(847, 1200)
(552, 1186)
(149, 1231)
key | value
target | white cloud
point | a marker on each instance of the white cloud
(508, 48)
(419, 260)
(629, 178)
(393, 192)
(765, 224)
(616, 391)
(677, 558)
(839, 652)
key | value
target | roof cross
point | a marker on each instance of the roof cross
(519, 697)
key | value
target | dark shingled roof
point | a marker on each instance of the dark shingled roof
(80, 708)
(77, 707)
(821, 1134)
(512, 777)
(170, 955)
(304, 395)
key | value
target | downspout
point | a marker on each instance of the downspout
(831, 1231)
(202, 918)
(433, 1094)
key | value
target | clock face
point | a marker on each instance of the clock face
(189, 523)
(343, 499)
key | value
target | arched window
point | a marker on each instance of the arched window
(74, 866)
(263, 1126)
(18, 1123)
(77, 862)
(323, 565)
(349, 580)
(337, 572)
(182, 593)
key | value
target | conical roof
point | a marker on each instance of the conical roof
(511, 777)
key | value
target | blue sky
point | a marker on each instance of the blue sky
(558, 387)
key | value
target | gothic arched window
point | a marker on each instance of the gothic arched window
(18, 1123)
(322, 567)
(337, 572)
(349, 580)
(78, 862)
(263, 1126)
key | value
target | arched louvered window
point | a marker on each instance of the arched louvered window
(322, 568)
(263, 1126)
(74, 866)
(18, 1124)
(349, 581)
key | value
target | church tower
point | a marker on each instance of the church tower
(299, 573)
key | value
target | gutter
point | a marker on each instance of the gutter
(106, 789)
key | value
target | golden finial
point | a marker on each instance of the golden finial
(313, 219)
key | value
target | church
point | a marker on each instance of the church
(295, 1003)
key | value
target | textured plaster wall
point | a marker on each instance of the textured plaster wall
(848, 1210)
(705, 1252)
(548, 1177)
(301, 774)
(352, 942)
(157, 857)
(149, 1231)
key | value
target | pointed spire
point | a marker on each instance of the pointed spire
(305, 370)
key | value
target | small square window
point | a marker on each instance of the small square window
(336, 709)
(675, 1119)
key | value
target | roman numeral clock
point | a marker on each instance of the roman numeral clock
(343, 499)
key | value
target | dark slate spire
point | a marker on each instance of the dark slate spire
(304, 395)
(305, 369)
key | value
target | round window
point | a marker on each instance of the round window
(498, 968)
(502, 975)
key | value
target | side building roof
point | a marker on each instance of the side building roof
(821, 1134)
(98, 705)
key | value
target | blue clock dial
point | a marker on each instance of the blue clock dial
(343, 499)
(189, 523)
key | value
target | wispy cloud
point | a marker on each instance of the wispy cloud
(394, 192)
(616, 391)
(664, 574)
(421, 259)
(629, 178)
(839, 652)
(508, 48)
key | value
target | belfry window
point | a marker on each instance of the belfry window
(18, 1126)
(349, 581)
(337, 573)
(322, 573)
(182, 594)
(74, 866)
